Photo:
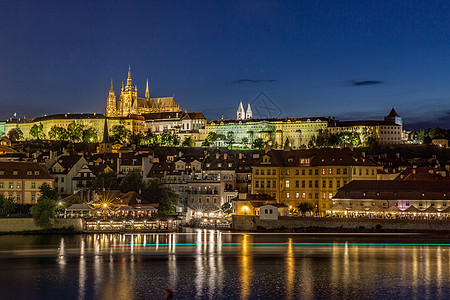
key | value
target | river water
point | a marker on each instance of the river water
(207, 264)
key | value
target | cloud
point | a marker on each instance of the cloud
(364, 82)
(239, 81)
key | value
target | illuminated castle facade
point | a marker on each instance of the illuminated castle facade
(130, 104)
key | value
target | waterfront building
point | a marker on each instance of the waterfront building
(249, 204)
(65, 168)
(21, 181)
(420, 196)
(312, 175)
(440, 142)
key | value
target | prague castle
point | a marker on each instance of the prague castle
(130, 104)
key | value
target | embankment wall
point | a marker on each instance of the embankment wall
(23, 224)
(246, 223)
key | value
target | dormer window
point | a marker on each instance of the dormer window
(29, 173)
(15, 172)
(36, 172)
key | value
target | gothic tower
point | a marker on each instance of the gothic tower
(248, 113)
(128, 97)
(147, 92)
(111, 105)
(240, 114)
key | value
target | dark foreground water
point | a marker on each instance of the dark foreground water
(214, 265)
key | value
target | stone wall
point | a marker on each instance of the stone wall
(245, 223)
(22, 224)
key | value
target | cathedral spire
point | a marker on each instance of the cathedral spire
(122, 86)
(240, 114)
(147, 93)
(129, 77)
(105, 132)
(111, 90)
(248, 113)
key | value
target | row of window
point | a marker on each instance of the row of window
(16, 172)
(303, 195)
(206, 201)
(325, 171)
(18, 185)
(18, 197)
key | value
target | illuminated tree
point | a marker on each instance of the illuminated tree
(188, 142)
(90, 135)
(15, 134)
(58, 133)
(258, 143)
(120, 133)
(37, 131)
(75, 131)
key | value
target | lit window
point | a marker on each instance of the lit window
(324, 171)
(297, 195)
(287, 195)
(287, 183)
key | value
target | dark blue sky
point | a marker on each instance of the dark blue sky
(59, 56)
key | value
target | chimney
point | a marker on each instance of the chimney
(240, 156)
(363, 154)
(217, 155)
(225, 156)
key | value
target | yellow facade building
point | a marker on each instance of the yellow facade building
(313, 175)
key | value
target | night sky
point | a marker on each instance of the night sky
(349, 59)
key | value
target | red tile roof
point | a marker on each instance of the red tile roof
(23, 170)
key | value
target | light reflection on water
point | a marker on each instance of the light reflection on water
(211, 264)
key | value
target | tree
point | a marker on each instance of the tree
(305, 207)
(258, 143)
(287, 143)
(90, 135)
(132, 182)
(46, 191)
(73, 199)
(8, 205)
(120, 133)
(334, 139)
(105, 180)
(155, 191)
(37, 131)
(15, 134)
(75, 132)
(45, 208)
(230, 139)
(211, 137)
(43, 211)
(245, 141)
(226, 208)
(427, 140)
(188, 142)
(58, 133)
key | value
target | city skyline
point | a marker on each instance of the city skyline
(350, 60)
